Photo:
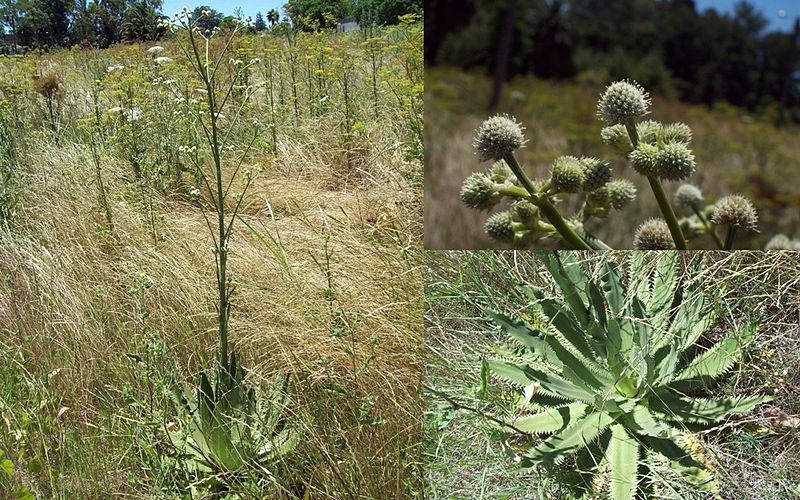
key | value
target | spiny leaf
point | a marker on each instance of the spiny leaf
(580, 434)
(623, 456)
(680, 460)
(574, 295)
(551, 420)
(664, 285)
(613, 287)
(717, 360)
(702, 411)
(553, 384)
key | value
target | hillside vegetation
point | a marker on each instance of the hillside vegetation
(735, 152)
(107, 265)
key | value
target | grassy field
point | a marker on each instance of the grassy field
(753, 457)
(735, 154)
(107, 275)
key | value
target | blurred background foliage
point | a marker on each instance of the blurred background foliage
(671, 47)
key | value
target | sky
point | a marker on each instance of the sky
(249, 7)
(770, 9)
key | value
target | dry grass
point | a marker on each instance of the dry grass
(735, 154)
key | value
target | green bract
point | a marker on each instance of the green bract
(613, 369)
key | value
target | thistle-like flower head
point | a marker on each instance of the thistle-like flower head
(497, 137)
(500, 226)
(645, 159)
(568, 174)
(479, 192)
(675, 162)
(501, 173)
(782, 242)
(526, 212)
(623, 101)
(688, 195)
(648, 131)
(596, 173)
(620, 193)
(675, 132)
(617, 137)
(735, 211)
(653, 234)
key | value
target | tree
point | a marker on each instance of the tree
(260, 24)
(273, 17)
(310, 15)
(141, 22)
(206, 18)
(384, 12)
(9, 18)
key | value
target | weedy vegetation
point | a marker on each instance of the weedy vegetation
(577, 375)
(210, 279)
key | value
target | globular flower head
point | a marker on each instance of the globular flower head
(688, 196)
(653, 234)
(675, 162)
(735, 211)
(568, 174)
(617, 137)
(498, 136)
(620, 193)
(782, 242)
(675, 132)
(596, 173)
(501, 173)
(526, 212)
(645, 159)
(500, 227)
(648, 131)
(623, 101)
(479, 192)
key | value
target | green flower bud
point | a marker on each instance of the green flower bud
(647, 131)
(501, 173)
(620, 193)
(526, 212)
(653, 234)
(497, 137)
(645, 159)
(479, 192)
(500, 227)
(735, 211)
(617, 137)
(567, 175)
(623, 101)
(675, 132)
(596, 173)
(688, 196)
(675, 162)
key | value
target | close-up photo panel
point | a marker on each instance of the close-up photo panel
(400, 249)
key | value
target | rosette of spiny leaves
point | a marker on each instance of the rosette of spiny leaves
(228, 427)
(616, 374)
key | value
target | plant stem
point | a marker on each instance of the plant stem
(729, 238)
(661, 197)
(708, 227)
(547, 208)
(669, 214)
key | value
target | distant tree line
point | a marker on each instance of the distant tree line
(99, 23)
(667, 45)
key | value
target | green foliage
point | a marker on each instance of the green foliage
(311, 15)
(141, 22)
(228, 428)
(622, 362)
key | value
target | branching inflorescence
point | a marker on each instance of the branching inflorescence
(659, 152)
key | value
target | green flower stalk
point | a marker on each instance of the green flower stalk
(689, 196)
(736, 212)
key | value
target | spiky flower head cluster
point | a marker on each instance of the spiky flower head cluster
(675, 162)
(526, 212)
(497, 137)
(479, 192)
(623, 101)
(568, 174)
(653, 234)
(617, 194)
(688, 196)
(645, 159)
(735, 211)
(675, 132)
(596, 173)
(500, 226)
